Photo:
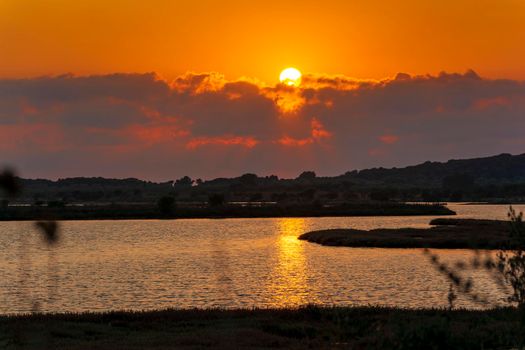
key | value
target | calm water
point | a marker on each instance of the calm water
(104, 265)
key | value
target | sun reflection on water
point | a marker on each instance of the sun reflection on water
(290, 287)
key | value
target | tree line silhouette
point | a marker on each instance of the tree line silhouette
(494, 179)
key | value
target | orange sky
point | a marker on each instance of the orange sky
(364, 39)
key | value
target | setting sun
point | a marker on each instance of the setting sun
(290, 76)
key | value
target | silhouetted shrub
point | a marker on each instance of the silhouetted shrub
(511, 262)
(507, 270)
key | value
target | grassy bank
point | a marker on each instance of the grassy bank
(307, 327)
(151, 211)
(445, 233)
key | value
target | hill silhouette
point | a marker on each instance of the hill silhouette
(496, 178)
(503, 168)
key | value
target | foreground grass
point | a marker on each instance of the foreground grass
(445, 233)
(306, 327)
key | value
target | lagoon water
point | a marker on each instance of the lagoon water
(151, 264)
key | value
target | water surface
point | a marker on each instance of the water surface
(150, 264)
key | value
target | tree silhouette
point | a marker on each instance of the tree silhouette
(307, 175)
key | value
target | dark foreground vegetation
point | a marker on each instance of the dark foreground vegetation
(306, 327)
(167, 209)
(445, 233)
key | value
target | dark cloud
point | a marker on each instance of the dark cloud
(205, 126)
(67, 88)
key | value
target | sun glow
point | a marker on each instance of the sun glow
(290, 76)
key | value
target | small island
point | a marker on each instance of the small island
(448, 233)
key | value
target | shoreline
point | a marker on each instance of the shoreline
(126, 212)
(160, 218)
